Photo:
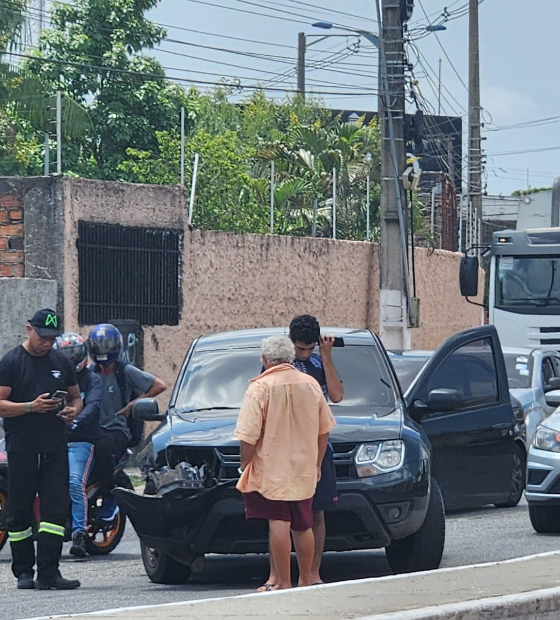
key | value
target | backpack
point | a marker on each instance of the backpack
(136, 427)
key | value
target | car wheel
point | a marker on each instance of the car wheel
(3, 533)
(422, 550)
(545, 519)
(161, 568)
(517, 482)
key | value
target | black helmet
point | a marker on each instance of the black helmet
(105, 343)
(74, 347)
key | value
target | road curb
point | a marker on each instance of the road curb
(524, 606)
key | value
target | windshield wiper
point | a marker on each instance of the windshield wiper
(207, 409)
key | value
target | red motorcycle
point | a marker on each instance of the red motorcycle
(101, 538)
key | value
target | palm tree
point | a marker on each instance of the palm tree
(304, 163)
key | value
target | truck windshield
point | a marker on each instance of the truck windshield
(527, 281)
(219, 379)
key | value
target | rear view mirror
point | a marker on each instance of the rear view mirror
(468, 276)
(147, 410)
(553, 398)
(518, 411)
(443, 400)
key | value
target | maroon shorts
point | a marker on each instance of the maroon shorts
(299, 514)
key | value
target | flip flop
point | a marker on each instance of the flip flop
(266, 587)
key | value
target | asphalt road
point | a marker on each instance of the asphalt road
(475, 536)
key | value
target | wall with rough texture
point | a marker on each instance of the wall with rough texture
(229, 281)
(20, 298)
(443, 311)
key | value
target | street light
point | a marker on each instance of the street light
(372, 38)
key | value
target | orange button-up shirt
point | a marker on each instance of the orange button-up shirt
(282, 414)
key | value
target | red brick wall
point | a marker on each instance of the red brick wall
(11, 237)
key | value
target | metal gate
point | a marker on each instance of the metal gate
(129, 273)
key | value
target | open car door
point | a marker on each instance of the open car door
(461, 399)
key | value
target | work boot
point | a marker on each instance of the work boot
(25, 582)
(58, 583)
(78, 547)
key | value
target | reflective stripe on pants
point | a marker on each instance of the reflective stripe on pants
(19, 536)
(51, 528)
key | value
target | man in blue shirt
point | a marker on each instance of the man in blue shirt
(305, 333)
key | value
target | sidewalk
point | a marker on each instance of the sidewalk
(527, 587)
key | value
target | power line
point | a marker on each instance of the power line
(444, 50)
(155, 77)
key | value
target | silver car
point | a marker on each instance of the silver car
(543, 472)
(531, 374)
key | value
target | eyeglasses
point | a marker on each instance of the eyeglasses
(50, 339)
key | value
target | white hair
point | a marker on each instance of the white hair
(278, 350)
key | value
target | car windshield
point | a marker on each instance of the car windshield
(519, 370)
(219, 379)
(407, 368)
(528, 281)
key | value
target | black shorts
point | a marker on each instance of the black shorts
(325, 494)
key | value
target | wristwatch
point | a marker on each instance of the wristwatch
(28, 407)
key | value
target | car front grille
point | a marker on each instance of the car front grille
(536, 476)
(555, 487)
(343, 459)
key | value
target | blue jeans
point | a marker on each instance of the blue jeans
(80, 460)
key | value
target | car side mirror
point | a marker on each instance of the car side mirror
(553, 384)
(147, 410)
(553, 398)
(468, 276)
(443, 400)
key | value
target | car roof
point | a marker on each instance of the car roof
(420, 353)
(248, 338)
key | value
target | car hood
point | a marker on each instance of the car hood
(353, 425)
(553, 421)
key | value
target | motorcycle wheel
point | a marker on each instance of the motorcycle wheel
(3, 533)
(100, 539)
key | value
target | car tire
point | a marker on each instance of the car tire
(161, 568)
(517, 481)
(545, 519)
(422, 550)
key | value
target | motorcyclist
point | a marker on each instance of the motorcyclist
(82, 435)
(123, 383)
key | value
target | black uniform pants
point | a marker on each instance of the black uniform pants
(30, 474)
(109, 448)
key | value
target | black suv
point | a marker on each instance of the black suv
(458, 406)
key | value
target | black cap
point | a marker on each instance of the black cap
(47, 322)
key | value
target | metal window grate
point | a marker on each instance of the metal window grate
(129, 273)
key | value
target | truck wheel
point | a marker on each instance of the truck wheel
(162, 568)
(422, 550)
(545, 519)
(517, 484)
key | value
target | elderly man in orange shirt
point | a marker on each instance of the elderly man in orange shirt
(283, 428)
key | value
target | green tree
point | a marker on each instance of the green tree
(96, 48)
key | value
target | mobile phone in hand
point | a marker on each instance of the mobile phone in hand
(59, 395)
(338, 341)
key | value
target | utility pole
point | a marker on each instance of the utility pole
(439, 90)
(475, 143)
(301, 64)
(393, 250)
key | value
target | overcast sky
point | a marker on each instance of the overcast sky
(518, 58)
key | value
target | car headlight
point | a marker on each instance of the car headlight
(546, 439)
(380, 457)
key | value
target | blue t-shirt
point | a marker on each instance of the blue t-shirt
(313, 366)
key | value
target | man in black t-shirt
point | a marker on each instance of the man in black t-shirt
(35, 426)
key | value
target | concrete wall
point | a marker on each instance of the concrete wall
(20, 298)
(231, 281)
